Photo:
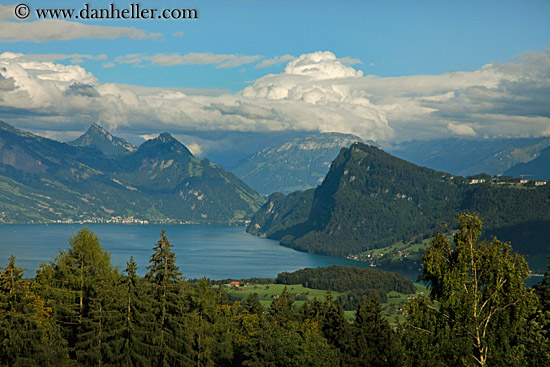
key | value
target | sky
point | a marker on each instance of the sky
(387, 71)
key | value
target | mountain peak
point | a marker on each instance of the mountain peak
(97, 128)
(164, 144)
(167, 138)
(96, 137)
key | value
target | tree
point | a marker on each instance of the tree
(28, 334)
(79, 286)
(375, 341)
(478, 300)
(281, 309)
(253, 304)
(331, 321)
(132, 308)
(167, 301)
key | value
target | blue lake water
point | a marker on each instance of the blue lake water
(201, 251)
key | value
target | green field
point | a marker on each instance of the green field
(266, 292)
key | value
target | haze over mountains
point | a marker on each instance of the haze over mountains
(473, 156)
(538, 168)
(42, 180)
(299, 164)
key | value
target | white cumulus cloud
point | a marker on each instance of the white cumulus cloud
(314, 92)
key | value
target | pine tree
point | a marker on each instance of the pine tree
(171, 347)
(203, 307)
(80, 287)
(133, 311)
(281, 309)
(376, 344)
(253, 304)
(29, 336)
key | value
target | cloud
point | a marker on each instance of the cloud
(276, 61)
(80, 89)
(58, 29)
(221, 61)
(461, 129)
(130, 59)
(6, 84)
(194, 148)
(314, 92)
(51, 57)
(350, 61)
(321, 65)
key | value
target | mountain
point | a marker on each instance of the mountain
(371, 199)
(42, 180)
(299, 164)
(538, 168)
(492, 156)
(100, 139)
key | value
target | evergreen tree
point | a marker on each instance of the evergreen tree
(132, 311)
(29, 335)
(281, 310)
(253, 304)
(292, 344)
(375, 343)
(203, 312)
(168, 334)
(80, 287)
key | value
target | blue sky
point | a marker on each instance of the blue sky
(482, 56)
(391, 38)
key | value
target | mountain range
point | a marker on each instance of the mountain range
(371, 199)
(299, 164)
(472, 156)
(101, 178)
(538, 168)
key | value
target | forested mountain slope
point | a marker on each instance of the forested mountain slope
(370, 199)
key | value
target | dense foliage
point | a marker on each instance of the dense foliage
(370, 199)
(79, 310)
(355, 282)
(479, 312)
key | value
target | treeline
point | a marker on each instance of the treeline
(354, 282)
(80, 311)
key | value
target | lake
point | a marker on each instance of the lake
(214, 252)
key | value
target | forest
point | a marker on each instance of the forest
(79, 310)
